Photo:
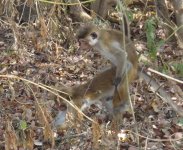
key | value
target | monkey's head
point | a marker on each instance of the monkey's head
(87, 36)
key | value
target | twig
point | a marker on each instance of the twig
(45, 88)
(65, 4)
(164, 75)
(122, 9)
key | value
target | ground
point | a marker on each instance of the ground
(38, 56)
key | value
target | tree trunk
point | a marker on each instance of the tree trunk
(101, 7)
(1, 8)
(78, 13)
(178, 8)
(162, 12)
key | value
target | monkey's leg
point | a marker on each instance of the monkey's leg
(118, 80)
(121, 91)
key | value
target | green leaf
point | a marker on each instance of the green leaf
(160, 43)
(23, 125)
(178, 68)
(180, 122)
(129, 15)
(150, 34)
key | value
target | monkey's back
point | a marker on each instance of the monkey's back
(94, 88)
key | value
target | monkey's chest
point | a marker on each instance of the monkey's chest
(107, 54)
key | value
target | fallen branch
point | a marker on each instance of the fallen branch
(164, 75)
(164, 96)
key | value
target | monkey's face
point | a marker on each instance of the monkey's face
(93, 38)
(89, 41)
(88, 37)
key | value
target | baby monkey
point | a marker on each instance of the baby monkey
(110, 44)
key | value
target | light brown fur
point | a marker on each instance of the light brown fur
(101, 86)
(112, 45)
(98, 88)
(106, 37)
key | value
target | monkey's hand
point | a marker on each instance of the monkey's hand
(117, 81)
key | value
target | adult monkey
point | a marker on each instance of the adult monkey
(110, 44)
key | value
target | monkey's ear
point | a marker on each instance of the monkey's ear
(94, 35)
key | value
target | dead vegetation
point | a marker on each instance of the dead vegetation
(39, 52)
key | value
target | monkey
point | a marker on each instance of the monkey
(93, 90)
(100, 87)
(110, 44)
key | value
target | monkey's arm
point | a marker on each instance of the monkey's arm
(121, 63)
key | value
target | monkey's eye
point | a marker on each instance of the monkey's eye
(93, 35)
